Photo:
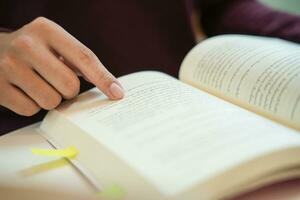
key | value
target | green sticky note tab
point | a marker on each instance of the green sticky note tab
(113, 191)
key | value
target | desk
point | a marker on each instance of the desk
(66, 182)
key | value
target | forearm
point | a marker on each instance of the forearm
(250, 17)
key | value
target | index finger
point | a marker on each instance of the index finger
(84, 60)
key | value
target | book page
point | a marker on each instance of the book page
(260, 74)
(171, 133)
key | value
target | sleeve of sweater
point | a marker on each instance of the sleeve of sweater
(249, 17)
(6, 30)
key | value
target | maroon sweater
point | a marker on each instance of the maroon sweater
(136, 35)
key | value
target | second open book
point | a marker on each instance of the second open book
(230, 124)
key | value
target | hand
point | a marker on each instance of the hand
(38, 66)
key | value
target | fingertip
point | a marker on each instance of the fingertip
(116, 91)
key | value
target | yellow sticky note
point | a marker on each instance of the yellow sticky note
(113, 191)
(70, 152)
(44, 167)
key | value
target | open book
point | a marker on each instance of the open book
(230, 124)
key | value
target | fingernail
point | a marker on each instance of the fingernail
(119, 84)
(116, 91)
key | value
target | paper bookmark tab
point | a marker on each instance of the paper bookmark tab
(70, 152)
(113, 191)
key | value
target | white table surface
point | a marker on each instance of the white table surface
(22, 175)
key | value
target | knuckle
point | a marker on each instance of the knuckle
(40, 22)
(6, 60)
(51, 102)
(8, 65)
(23, 42)
(103, 78)
(71, 87)
(86, 56)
